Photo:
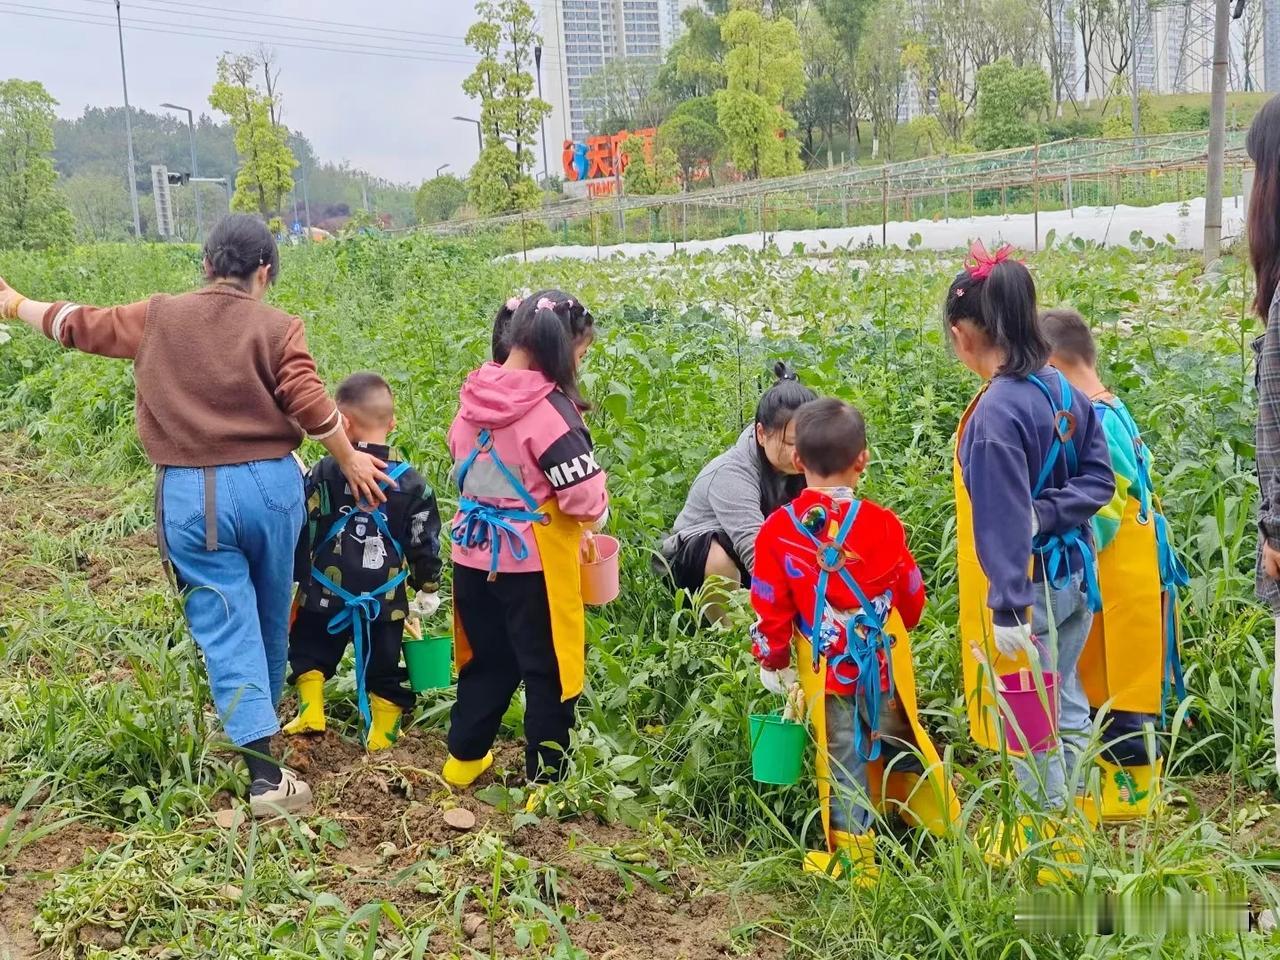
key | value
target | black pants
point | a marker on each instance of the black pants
(313, 647)
(508, 624)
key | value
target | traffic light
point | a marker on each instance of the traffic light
(179, 179)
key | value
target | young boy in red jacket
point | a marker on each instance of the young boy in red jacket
(833, 575)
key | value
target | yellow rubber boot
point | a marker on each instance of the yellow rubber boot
(385, 730)
(310, 718)
(1129, 792)
(854, 855)
(920, 804)
(463, 773)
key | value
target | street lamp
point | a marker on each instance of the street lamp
(195, 170)
(479, 136)
(439, 169)
(546, 169)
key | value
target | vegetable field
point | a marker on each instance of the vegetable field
(116, 835)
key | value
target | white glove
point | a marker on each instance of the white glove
(1035, 521)
(1011, 641)
(778, 681)
(599, 525)
(424, 604)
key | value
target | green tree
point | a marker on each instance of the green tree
(509, 112)
(1010, 99)
(265, 176)
(33, 213)
(880, 72)
(825, 104)
(693, 136)
(439, 198)
(100, 205)
(694, 66)
(764, 71)
(645, 176)
(623, 95)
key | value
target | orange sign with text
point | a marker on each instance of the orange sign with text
(602, 157)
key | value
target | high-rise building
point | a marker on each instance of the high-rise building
(581, 36)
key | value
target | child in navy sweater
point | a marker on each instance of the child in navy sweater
(1031, 470)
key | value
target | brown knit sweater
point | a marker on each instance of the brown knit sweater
(221, 377)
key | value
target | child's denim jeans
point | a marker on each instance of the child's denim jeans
(850, 798)
(237, 597)
(1060, 620)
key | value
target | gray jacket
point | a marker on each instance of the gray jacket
(725, 496)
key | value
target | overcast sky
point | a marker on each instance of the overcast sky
(388, 115)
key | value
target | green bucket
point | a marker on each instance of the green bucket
(777, 749)
(430, 662)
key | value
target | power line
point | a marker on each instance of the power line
(258, 15)
(451, 44)
(300, 43)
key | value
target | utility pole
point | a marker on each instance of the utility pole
(1217, 132)
(128, 132)
(1133, 68)
(1271, 45)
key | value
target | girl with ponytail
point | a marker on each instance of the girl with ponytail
(528, 485)
(715, 533)
(1031, 469)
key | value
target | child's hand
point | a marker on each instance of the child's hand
(778, 681)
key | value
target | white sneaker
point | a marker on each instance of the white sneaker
(290, 795)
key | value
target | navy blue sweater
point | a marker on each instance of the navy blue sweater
(1004, 447)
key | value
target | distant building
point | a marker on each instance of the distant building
(581, 36)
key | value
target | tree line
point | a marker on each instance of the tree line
(67, 179)
(762, 88)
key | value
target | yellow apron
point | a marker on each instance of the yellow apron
(985, 722)
(1124, 658)
(559, 544)
(930, 802)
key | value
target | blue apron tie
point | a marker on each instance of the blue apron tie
(483, 525)
(360, 610)
(865, 636)
(1056, 551)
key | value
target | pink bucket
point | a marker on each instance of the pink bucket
(599, 570)
(1031, 715)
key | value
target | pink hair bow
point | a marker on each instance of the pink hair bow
(981, 263)
(514, 303)
(546, 303)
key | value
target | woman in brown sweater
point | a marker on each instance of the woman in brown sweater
(226, 389)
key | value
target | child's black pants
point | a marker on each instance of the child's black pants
(508, 624)
(313, 647)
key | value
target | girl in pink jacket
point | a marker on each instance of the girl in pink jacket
(528, 483)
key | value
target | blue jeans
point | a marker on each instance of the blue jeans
(850, 810)
(1060, 620)
(237, 597)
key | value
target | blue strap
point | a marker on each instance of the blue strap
(358, 611)
(1063, 426)
(1173, 577)
(481, 525)
(865, 636)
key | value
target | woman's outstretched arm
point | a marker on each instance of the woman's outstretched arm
(106, 331)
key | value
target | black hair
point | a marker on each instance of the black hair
(1003, 306)
(1263, 145)
(1068, 335)
(549, 324)
(501, 322)
(830, 436)
(237, 246)
(774, 411)
(366, 393)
